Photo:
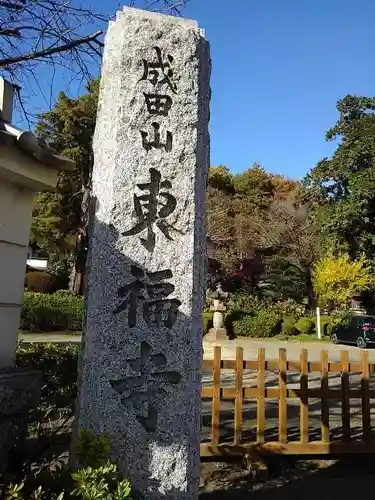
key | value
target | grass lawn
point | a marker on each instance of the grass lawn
(55, 332)
(301, 337)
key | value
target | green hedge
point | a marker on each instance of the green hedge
(287, 327)
(326, 324)
(48, 312)
(264, 323)
(207, 321)
(305, 325)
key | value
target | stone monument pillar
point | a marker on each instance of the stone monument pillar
(140, 374)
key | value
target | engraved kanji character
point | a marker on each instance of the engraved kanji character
(146, 389)
(156, 142)
(151, 290)
(159, 71)
(158, 104)
(152, 208)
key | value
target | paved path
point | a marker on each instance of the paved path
(53, 338)
(293, 382)
(228, 349)
(250, 347)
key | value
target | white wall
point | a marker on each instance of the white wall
(23, 170)
(15, 219)
(15, 213)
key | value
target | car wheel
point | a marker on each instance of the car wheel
(361, 342)
(334, 339)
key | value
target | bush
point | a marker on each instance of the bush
(304, 325)
(287, 326)
(265, 323)
(49, 312)
(289, 307)
(101, 481)
(39, 281)
(58, 366)
(207, 321)
(326, 324)
(230, 318)
(245, 302)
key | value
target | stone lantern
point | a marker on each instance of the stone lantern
(219, 299)
(27, 166)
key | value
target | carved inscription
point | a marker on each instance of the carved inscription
(149, 293)
(146, 389)
(151, 208)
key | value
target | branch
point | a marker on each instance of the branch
(11, 5)
(10, 32)
(61, 48)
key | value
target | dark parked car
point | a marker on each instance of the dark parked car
(359, 330)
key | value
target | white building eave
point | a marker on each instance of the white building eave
(29, 144)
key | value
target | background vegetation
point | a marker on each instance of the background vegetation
(280, 246)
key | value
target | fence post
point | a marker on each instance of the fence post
(261, 394)
(324, 366)
(345, 400)
(304, 399)
(215, 422)
(282, 396)
(365, 385)
(239, 397)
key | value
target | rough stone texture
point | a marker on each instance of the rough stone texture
(19, 391)
(140, 383)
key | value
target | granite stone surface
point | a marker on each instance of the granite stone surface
(140, 373)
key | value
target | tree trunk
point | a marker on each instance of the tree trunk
(310, 289)
(77, 277)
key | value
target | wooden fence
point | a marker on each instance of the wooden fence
(258, 434)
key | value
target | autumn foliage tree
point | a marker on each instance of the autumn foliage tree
(338, 279)
(240, 224)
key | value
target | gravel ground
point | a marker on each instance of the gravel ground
(291, 479)
(293, 382)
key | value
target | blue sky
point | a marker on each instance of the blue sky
(279, 66)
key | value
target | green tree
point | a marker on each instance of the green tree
(338, 279)
(342, 188)
(60, 219)
(296, 248)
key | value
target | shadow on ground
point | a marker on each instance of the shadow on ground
(344, 479)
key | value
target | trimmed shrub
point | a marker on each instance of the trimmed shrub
(39, 281)
(48, 312)
(207, 321)
(287, 326)
(304, 325)
(326, 324)
(338, 319)
(245, 302)
(264, 323)
(230, 318)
